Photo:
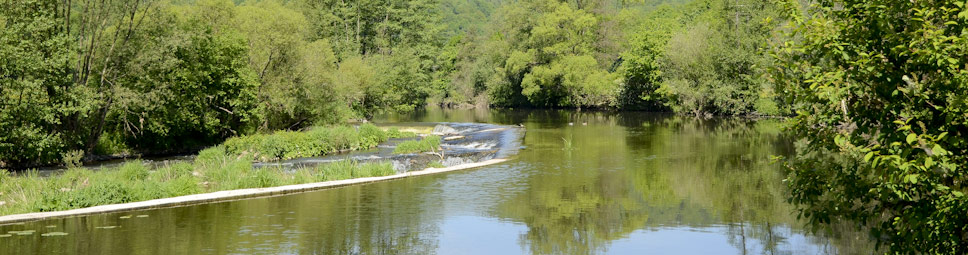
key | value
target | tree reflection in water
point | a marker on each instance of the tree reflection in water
(627, 173)
(628, 181)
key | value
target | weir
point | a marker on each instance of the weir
(478, 145)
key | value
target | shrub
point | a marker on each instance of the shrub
(72, 159)
(371, 135)
(111, 143)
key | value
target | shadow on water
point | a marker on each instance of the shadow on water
(585, 183)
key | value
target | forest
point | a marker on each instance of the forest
(874, 92)
(167, 76)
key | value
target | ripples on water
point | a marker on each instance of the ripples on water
(628, 184)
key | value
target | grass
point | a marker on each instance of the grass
(317, 141)
(224, 167)
(417, 129)
(133, 181)
(426, 144)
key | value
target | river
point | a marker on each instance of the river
(583, 183)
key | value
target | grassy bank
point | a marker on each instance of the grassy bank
(133, 181)
(224, 167)
(426, 144)
(314, 142)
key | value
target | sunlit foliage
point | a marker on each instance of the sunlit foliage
(879, 89)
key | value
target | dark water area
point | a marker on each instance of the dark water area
(583, 183)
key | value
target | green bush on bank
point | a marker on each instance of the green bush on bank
(315, 142)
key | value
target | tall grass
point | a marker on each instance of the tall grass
(223, 167)
(134, 181)
(317, 141)
(427, 144)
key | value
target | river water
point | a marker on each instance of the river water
(583, 183)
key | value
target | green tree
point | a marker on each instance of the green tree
(641, 68)
(552, 58)
(276, 36)
(355, 84)
(37, 96)
(704, 57)
(188, 85)
(365, 27)
(880, 89)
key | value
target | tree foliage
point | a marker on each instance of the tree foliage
(702, 58)
(880, 89)
(158, 76)
(37, 96)
(186, 85)
(552, 60)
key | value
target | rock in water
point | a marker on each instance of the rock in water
(444, 130)
(451, 138)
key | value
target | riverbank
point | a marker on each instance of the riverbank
(251, 164)
(230, 195)
(228, 166)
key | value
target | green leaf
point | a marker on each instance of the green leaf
(941, 136)
(938, 150)
(911, 138)
(912, 178)
(867, 158)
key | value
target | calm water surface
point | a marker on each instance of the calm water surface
(627, 183)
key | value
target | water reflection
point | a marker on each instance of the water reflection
(606, 183)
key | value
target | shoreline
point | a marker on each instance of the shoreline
(231, 195)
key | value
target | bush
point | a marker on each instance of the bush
(72, 159)
(371, 136)
(111, 143)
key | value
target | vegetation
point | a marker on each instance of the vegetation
(880, 88)
(425, 144)
(157, 76)
(693, 57)
(877, 87)
(317, 141)
(703, 58)
(134, 181)
(162, 76)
